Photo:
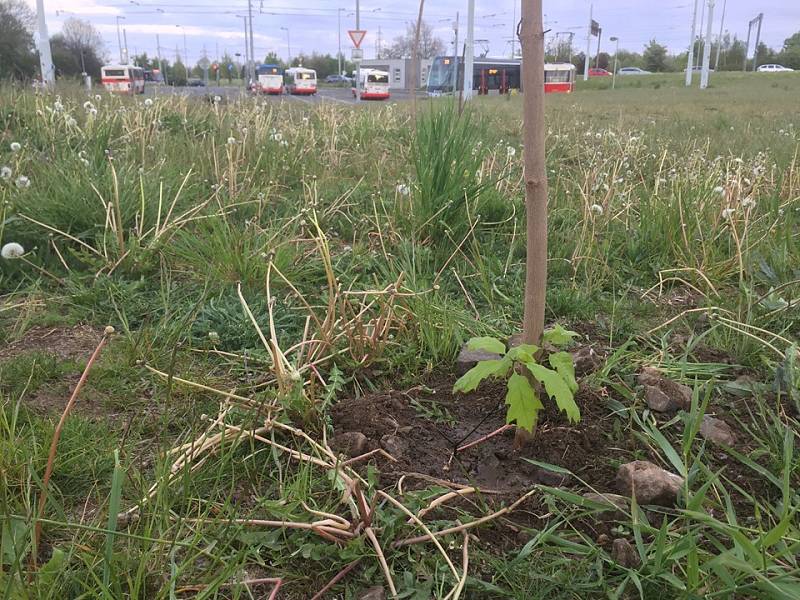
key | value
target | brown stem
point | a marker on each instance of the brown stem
(48, 471)
(338, 577)
(484, 438)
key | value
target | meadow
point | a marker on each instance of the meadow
(281, 275)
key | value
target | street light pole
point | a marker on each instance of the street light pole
(469, 53)
(616, 52)
(119, 39)
(707, 48)
(251, 67)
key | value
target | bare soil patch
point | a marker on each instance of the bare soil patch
(66, 343)
(423, 427)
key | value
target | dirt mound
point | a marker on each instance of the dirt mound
(66, 343)
(423, 427)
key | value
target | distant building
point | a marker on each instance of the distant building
(399, 70)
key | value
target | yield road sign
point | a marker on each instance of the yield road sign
(357, 35)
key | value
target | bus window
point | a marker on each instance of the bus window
(561, 76)
(114, 73)
(376, 78)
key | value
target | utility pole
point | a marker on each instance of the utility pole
(469, 52)
(597, 59)
(45, 56)
(339, 22)
(125, 48)
(513, 30)
(358, 62)
(588, 45)
(119, 40)
(251, 64)
(702, 22)
(692, 38)
(246, 45)
(378, 43)
(158, 54)
(747, 46)
(707, 47)
(455, 56)
(760, 18)
(719, 37)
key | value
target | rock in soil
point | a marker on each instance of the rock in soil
(586, 361)
(680, 396)
(374, 593)
(469, 358)
(393, 444)
(351, 443)
(649, 483)
(717, 430)
(659, 401)
(624, 554)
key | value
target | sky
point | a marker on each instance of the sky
(211, 27)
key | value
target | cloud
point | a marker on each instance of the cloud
(82, 8)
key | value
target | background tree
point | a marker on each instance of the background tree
(226, 60)
(77, 49)
(18, 57)
(273, 59)
(790, 53)
(765, 54)
(655, 57)
(403, 45)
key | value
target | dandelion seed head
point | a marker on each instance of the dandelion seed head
(148, 102)
(719, 190)
(16, 146)
(12, 250)
(22, 182)
(728, 213)
(748, 203)
(596, 209)
(231, 141)
(402, 189)
(5, 172)
(511, 152)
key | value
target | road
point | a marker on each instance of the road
(339, 95)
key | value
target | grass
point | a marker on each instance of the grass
(367, 254)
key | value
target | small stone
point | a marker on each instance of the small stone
(374, 593)
(717, 430)
(624, 554)
(393, 444)
(469, 358)
(680, 395)
(586, 361)
(659, 401)
(549, 478)
(649, 483)
(352, 443)
(603, 539)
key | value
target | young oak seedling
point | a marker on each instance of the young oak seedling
(522, 399)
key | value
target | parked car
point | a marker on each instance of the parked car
(193, 82)
(772, 68)
(699, 68)
(594, 72)
(337, 79)
(632, 71)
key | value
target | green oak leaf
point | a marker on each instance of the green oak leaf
(485, 368)
(523, 403)
(487, 344)
(523, 352)
(562, 362)
(558, 336)
(556, 388)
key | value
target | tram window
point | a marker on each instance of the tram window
(556, 76)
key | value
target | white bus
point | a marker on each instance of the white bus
(374, 84)
(300, 80)
(122, 79)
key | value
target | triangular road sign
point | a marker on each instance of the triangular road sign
(357, 35)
